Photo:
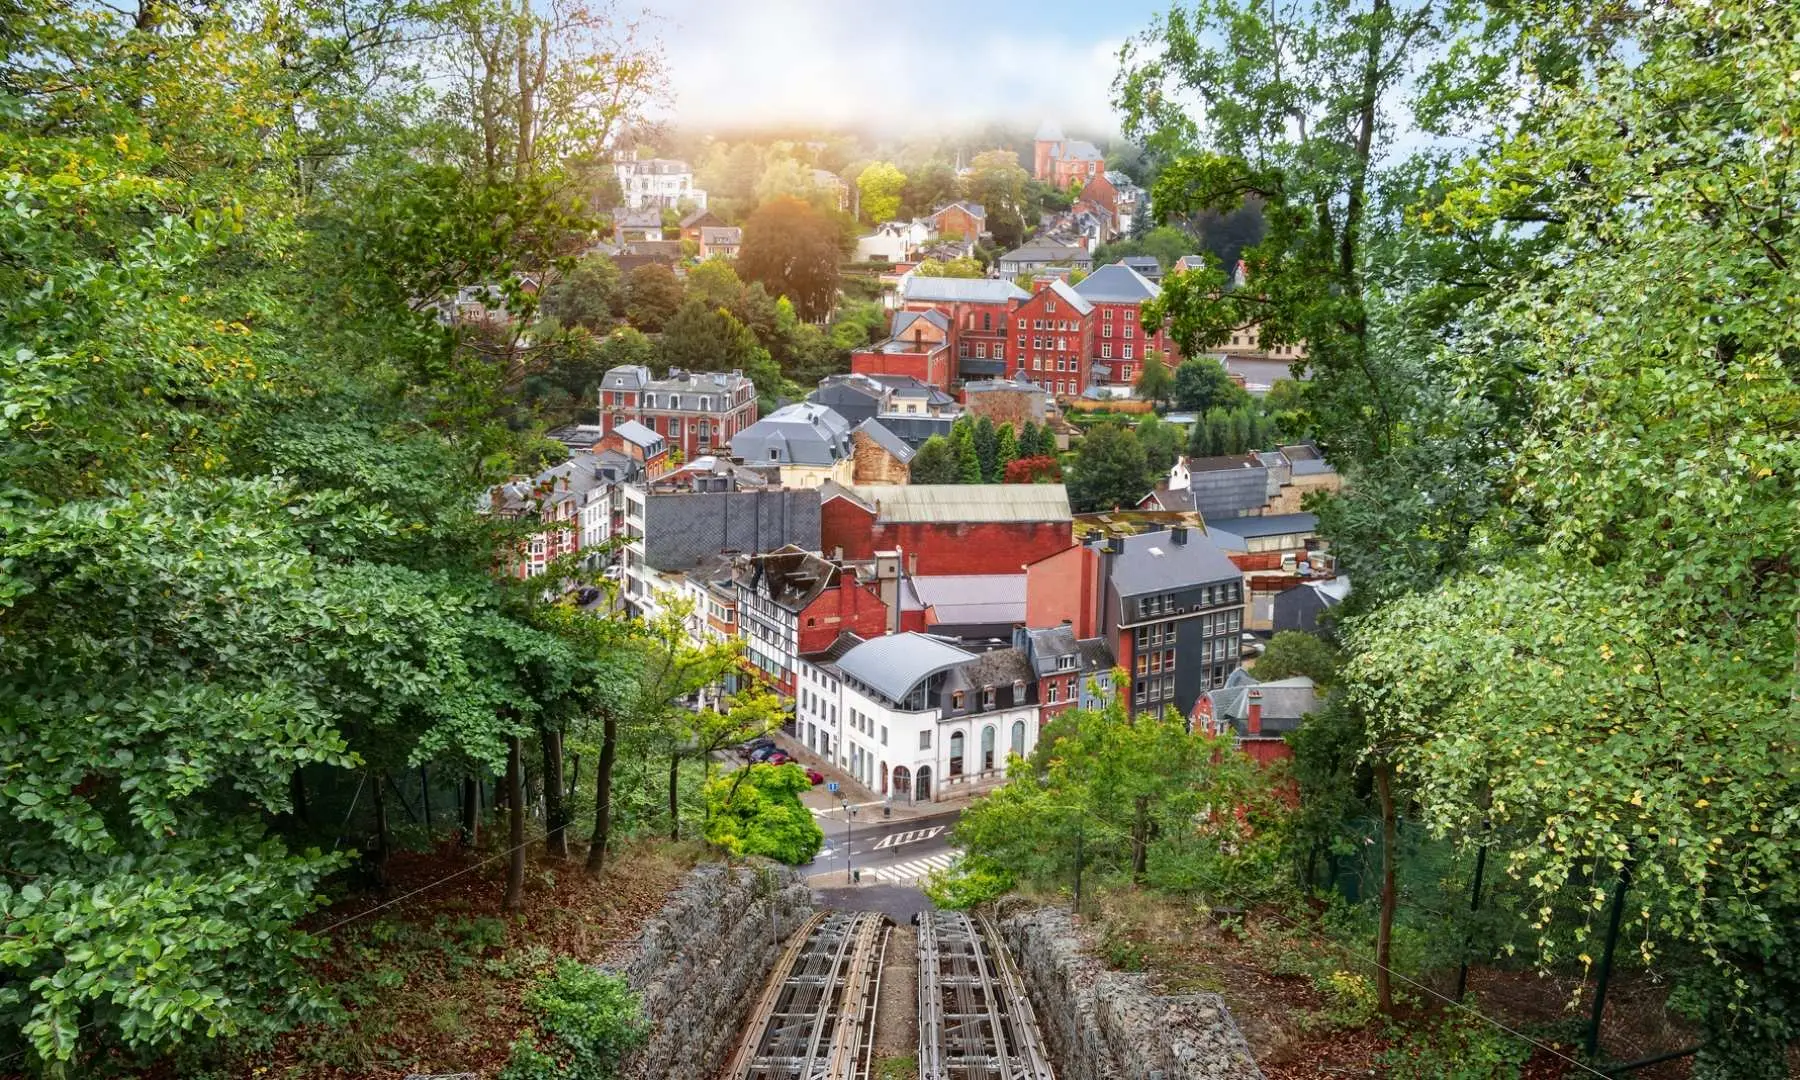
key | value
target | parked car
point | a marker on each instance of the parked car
(753, 746)
(815, 776)
(763, 753)
(779, 757)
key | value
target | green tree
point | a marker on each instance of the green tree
(987, 450)
(1029, 441)
(591, 295)
(1162, 443)
(997, 182)
(716, 283)
(881, 186)
(757, 811)
(954, 268)
(1154, 382)
(1006, 451)
(1109, 470)
(935, 463)
(792, 249)
(928, 188)
(652, 296)
(1201, 384)
(1166, 242)
(1295, 652)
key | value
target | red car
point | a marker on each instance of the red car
(815, 776)
(777, 758)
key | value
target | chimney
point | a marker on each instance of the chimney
(1253, 722)
(1178, 535)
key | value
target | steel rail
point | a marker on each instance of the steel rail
(1018, 1006)
(815, 1018)
(757, 1026)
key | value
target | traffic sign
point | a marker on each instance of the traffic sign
(832, 787)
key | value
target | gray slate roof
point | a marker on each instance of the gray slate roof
(1284, 701)
(894, 664)
(804, 433)
(682, 530)
(887, 440)
(939, 290)
(1052, 643)
(633, 432)
(1071, 296)
(1117, 283)
(1046, 251)
(971, 599)
(1275, 524)
(1154, 562)
(903, 321)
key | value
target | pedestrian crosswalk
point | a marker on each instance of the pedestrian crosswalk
(913, 871)
(911, 836)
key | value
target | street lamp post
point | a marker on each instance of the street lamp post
(849, 815)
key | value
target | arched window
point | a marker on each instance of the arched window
(987, 748)
(1018, 737)
(956, 754)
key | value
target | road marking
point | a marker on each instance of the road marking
(910, 873)
(912, 837)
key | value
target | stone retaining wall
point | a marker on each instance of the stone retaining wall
(701, 962)
(1109, 1025)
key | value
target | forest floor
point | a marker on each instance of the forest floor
(1306, 1005)
(434, 982)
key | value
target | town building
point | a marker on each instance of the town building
(920, 720)
(947, 528)
(669, 533)
(1053, 337)
(807, 444)
(1272, 482)
(720, 242)
(1017, 401)
(697, 220)
(791, 601)
(894, 241)
(918, 348)
(1305, 606)
(1063, 162)
(978, 610)
(1121, 341)
(879, 456)
(1169, 604)
(857, 397)
(1036, 256)
(976, 313)
(657, 182)
(1258, 715)
(963, 220)
(696, 411)
(1071, 672)
(648, 450)
(571, 503)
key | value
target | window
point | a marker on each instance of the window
(884, 734)
(774, 453)
(956, 699)
(987, 697)
(674, 427)
(649, 401)
(987, 748)
(1127, 355)
(1050, 306)
(1037, 363)
(999, 351)
(1130, 314)
(1107, 314)
(1018, 737)
(1051, 693)
(981, 349)
(1125, 374)
(956, 753)
(1018, 697)
(987, 321)
(1106, 350)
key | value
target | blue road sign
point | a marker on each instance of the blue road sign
(832, 787)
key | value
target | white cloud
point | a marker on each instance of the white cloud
(825, 62)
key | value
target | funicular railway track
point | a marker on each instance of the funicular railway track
(975, 1022)
(815, 1020)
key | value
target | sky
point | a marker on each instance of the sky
(905, 67)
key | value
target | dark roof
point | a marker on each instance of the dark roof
(903, 320)
(1284, 701)
(914, 430)
(699, 217)
(1048, 645)
(1275, 524)
(835, 651)
(790, 577)
(887, 440)
(1001, 667)
(681, 530)
(1154, 562)
(1117, 283)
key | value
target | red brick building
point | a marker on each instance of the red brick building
(919, 347)
(696, 411)
(1120, 340)
(977, 313)
(640, 444)
(1053, 334)
(792, 602)
(943, 529)
(966, 220)
(1063, 161)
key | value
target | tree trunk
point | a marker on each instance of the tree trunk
(1140, 839)
(380, 855)
(425, 796)
(297, 793)
(574, 775)
(556, 839)
(609, 752)
(471, 812)
(1384, 932)
(515, 802)
(675, 796)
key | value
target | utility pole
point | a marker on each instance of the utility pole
(849, 815)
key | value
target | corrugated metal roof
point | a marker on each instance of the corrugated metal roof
(965, 290)
(970, 503)
(965, 599)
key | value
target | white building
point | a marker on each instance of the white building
(894, 241)
(658, 182)
(916, 719)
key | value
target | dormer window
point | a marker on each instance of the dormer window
(987, 697)
(956, 699)
(1065, 663)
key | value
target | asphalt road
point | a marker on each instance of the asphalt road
(873, 842)
(899, 902)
